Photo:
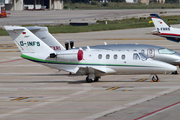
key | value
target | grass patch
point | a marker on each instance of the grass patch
(119, 5)
(112, 25)
(101, 26)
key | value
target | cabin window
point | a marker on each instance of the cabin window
(123, 57)
(136, 56)
(166, 51)
(100, 56)
(115, 56)
(107, 56)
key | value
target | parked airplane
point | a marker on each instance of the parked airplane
(152, 51)
(93, 63)
(164, 30)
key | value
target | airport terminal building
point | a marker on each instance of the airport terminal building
(32, 4)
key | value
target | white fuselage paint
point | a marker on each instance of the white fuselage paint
(114, 64)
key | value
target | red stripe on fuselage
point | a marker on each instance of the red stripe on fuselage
(169, 34)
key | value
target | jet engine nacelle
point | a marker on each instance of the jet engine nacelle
(70, 55)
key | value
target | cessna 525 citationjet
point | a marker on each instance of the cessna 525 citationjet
(164, 30)
(152, 51)
(91, 62)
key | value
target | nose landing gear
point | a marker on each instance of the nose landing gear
(155, 78)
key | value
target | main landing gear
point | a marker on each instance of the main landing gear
(89, 80)
(155, 78)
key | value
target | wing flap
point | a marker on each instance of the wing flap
(101, 69)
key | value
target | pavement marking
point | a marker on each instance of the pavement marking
(158, 111)
(95, 116)
(32, 101)
(11, 61)
(11, 51)
(113, 88)
(19, 98)
(141, 80)
(8, 46)
(86, 88)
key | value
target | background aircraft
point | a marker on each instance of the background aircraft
(152, 51)
(164, 30)
(90, 62)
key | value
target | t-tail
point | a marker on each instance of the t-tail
(43, 34)
(31, 46)
(164, 30)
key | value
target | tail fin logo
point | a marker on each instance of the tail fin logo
(30, 43)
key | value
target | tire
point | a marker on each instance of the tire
(175, 72)
(96, 79)
(88, 80)
(155, 78)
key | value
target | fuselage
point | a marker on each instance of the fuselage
(172, 34)
(152, 51)
(105, 62)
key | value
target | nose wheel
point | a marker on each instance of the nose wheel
(155, 78)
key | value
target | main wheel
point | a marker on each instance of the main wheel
(175, 72)
(96, 79)
(88, 80)
(155, 78)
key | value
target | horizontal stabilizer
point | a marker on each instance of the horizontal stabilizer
(11, 29)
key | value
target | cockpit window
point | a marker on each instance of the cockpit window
(166, 51)
(143, 56)
(136, 56)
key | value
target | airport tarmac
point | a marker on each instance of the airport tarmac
(66, 16)
(31, 91)
(34, 92)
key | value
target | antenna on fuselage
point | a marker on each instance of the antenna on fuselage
(67, 45)
(72, 44)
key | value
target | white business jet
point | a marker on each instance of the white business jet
(155, 52)
(91, 62)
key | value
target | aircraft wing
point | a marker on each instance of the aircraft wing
(96, 69)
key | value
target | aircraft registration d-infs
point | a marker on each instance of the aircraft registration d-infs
(164, 30)
(91, 62)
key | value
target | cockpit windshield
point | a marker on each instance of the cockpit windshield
(143, 56)
(166, 51)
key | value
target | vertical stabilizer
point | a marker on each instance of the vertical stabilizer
(43, 34)
(28, 43)
(159, 24)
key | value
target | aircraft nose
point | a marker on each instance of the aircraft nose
(170, 68)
